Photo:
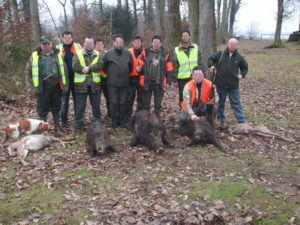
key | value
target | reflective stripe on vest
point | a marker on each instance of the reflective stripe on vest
(35, 69)
(186, 63)
(79, 78)
(135, 61)
(205, 92)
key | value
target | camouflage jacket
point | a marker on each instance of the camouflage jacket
(77, 68)
(28, 72)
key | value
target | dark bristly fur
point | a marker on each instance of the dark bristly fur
(200, 131)
(98, 140)
(148, 130)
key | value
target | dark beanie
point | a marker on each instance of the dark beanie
(185, 30)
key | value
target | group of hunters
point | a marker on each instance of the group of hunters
(53, 73)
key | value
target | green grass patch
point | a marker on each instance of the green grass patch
(35, 196)
(276, 209)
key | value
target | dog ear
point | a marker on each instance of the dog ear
(6, 128)
(43, 126)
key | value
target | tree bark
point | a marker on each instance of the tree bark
(36, 33)
(150, 15)
(73, 4)
(16, 11)
(63, 4)
(194, 20)
(279, 21)
(175, 21)
(160, 14)
(135, 14)
(26, 9)
(119, 3)
(223, 30)
(219, 2)
(207, 37)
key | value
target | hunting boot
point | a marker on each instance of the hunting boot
(56, 117)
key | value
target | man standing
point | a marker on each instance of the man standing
(46, 72)
(228, 63)
(99, 46)
(158, 72)
(86, 83)
(187, 56)
(134, 80)
(198, 96)
(117, 63)
(67, 50)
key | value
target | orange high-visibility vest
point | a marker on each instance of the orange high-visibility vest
(136, 61)
(205, 92)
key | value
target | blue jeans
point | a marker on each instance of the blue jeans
(65, 104)
(234, 97)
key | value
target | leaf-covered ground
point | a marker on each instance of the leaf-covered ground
(257, 182)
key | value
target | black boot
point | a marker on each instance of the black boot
(56, 117)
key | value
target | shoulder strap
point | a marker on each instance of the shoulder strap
(214, 77)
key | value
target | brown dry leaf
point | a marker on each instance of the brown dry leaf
(160, 209)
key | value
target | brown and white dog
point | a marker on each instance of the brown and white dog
(27, 126)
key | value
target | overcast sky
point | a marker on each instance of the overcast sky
(261, 13)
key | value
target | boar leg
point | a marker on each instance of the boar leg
(113, 148)
(134, 141)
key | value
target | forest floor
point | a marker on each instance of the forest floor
(256, 182)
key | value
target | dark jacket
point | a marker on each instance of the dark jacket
(166, 67)
(28, 71)
(228, 68)
(117, 64)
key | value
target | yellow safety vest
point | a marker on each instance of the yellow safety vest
(35, 69)
(76, 47)
(78, 77)
(186, 64)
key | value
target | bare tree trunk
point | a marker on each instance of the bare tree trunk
(279, 21)
(219, 2)
(26, 10)
(207, 37)
(100, 7)
(223, 30)
(73, 4)
(63, 4)
(145, 10)
(194, 20)
(119, 3)
(36, 33)
(175, 21)
(16, 11)
(135, 14)
(235, 6)
(150, 15)
(159, 15)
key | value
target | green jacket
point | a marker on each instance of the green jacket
(166, 67)
(28, 72)
(228, 68)
(83, 87)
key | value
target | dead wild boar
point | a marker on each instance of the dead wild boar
(148, 130)
(200, 131)
(98, 140)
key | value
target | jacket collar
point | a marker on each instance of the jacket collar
(85, 52)
(180, 46)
